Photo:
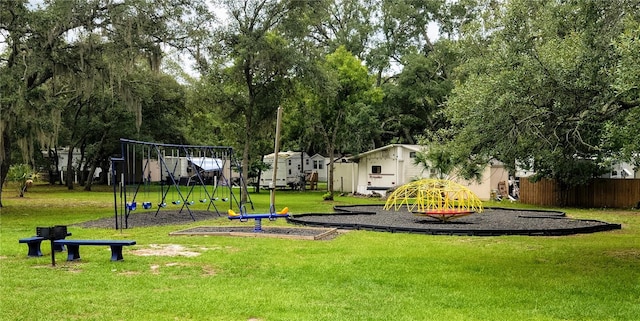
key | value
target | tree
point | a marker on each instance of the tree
(252, 73)
(56, 43)
(345, 23)
(624, 129)
(415, 68)
(542, 95)
(338, 102)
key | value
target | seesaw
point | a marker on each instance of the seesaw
(244, 217)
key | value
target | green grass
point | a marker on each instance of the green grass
(359, 275)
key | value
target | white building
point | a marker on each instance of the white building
(622, 170)
(319, 164)
(393, 165)
(387, 167)
(291, 165)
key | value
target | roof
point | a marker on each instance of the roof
(207, 164)
(316, 155)
(287, 154)
(415, 148)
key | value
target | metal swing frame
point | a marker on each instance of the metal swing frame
(171, 180)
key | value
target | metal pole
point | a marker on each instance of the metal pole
(53, 252)
(272, 189)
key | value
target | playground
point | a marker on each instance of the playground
(492, 222)
(427, 206)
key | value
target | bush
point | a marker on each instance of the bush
(23, 175)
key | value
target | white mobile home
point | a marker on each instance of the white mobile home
(291, 165)
(387, 167)
(393, 165)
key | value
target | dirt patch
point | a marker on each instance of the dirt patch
(301, 233)
(165, 250)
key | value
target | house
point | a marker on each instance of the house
(58, 160)
(318, 163)
(622, 170)
(393, 165)
(618, 170)
(291, 165)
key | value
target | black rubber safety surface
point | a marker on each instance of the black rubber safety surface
(491, 222)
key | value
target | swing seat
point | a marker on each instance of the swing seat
(131, 206)
(204, 200)
(176, 202)
(190, 202)
(224, 199)
(162, 205)
(146, 205)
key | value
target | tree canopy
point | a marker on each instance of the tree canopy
(543, 94)
(551, 86)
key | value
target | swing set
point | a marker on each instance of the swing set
(186, 176)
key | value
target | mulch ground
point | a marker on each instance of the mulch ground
(493, 221)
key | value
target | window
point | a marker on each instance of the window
(412, 154)
(317, 164)
(289, 162)
(307, 162)
(376, 169)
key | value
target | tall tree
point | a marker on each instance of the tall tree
(339, 102)
(345, 23)
(54, 43)
(623, 130)
(542, 94)
(252, 73)
(414, 58)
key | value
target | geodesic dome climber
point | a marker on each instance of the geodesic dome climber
(437, 198)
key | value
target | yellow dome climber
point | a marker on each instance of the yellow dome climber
(438, 198)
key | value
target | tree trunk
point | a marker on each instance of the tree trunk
(257, 186)
(93, 162)
(5, 163)
(69, 174)
(330, 150)
(82, 164)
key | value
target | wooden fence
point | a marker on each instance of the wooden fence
(599, 193)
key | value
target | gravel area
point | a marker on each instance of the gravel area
(493, 221)
(149, 218)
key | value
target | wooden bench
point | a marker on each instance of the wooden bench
(34, 245)
(73, 247)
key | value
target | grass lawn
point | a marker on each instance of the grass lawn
(359, 275)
